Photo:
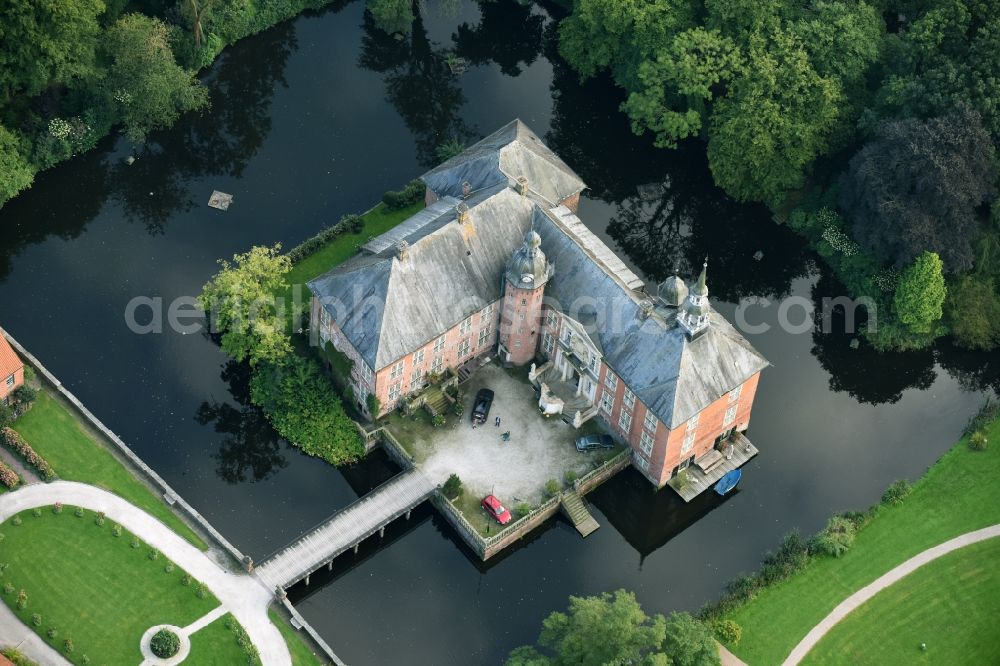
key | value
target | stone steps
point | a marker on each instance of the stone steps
(576, 510)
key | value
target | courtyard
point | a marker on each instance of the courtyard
(517, 470)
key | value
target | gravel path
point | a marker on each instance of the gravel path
(242, 595)
(884, 581)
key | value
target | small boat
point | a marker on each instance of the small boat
(728, 482)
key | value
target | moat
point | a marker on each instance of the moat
(319, 116)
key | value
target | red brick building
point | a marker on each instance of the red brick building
(499, 263)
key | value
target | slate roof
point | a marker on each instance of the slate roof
(389, 307)
(501, 158)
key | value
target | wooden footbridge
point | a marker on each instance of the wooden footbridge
(345, 530)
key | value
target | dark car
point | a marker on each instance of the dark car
(591, 442)
(481, 408)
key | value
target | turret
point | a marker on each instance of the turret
(524, 287)
(693, 316)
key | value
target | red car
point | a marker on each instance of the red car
(496, 509)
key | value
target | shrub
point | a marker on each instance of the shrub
(727, 631)
(154, 554)
(352, 222)
(57, 508)
(135, 543)
(452, 488)
(458, 408)
(36, 619)
(201, 592)
(116, 530)
(551, 488)
(16, 521)
(24, 395)
(410, 194)
(8, 477)
(164, 643)
(978, 441)
(23, 449)
(2, 537)
(78, 512)
(22, 599)
(8, 588)
(570, 477)
(522, 509)
(36, 512)
(99, 520)
(68, 646)
(836, 538)
(186, 580)
(52, 632)
(989, 411)
(84, 659)
(438, 420)
(896, 492)
(168, 567)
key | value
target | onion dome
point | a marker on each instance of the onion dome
(672, 291)
(527, 267)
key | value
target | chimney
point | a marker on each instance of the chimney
(466, 189)
(402, 250)
(645, 309)
(462, 213)
(522, 185)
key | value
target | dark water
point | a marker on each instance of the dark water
(318, 117)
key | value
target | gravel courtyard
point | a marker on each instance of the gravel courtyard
(516, 471)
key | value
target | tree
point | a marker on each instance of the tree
(766, 132)
(452, 488)
(688, 642)
(916, 187)
(686, 75)
(391, 15)
(242, 305)
(973, 309)
(144, 84)
(607, 629)
(15, 172)
(920, 294)
(43, 41)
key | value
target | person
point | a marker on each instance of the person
(497, 424)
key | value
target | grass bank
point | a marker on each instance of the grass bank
(950, 605)
(76, 454)
(92, 587)
(956, 495)
(302, 654)
(219, 643)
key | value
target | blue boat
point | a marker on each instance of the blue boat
(728, 482)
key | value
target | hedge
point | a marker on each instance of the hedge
(13, 440)
(8, 476)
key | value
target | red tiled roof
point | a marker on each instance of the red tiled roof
(9, 362)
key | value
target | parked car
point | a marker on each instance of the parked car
(497, 510)
(592, 442)
(481, 408)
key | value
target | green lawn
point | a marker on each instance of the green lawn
(957, 495)
(951, 605)
(91, 586)
(217, 644)
(377, 221)
(302, 654)
(76, 455)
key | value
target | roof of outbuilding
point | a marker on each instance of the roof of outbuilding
(501, 158)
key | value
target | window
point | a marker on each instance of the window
(397, 371)
(416, 379)
(418, 357)
(547, 343)
(607, 401)
(629, 398)
(436, 365)
(646, 441)
(483, 336)
(693, 421)
(394, 392)
(734, 395)
(466, 326)
(641, 462)
(439, 345)
(550, 319)
(568, 336)
(688, 442)
(593, 364)
(611, 380)
(521, 316)
(463, 348)
(730, 415)
(649, 423)
(487, 311)
(625, 421)
(366, 372)
(10, 381)
(524, 301)
(517, 344)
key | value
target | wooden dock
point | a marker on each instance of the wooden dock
(576, 510)
(345, 529)
(694, 480)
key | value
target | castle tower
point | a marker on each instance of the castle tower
(693, 316)
(524, 287)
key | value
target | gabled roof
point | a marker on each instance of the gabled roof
(9, 361)
(388, 307)
(674, 376)
(512, 152)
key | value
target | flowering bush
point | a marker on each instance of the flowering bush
(57, 508)
(60, 128)
(22, 600)
(164, 644)
(68, 645)
(8, 476)
(840, 241)
(99, 520)
(22, 448)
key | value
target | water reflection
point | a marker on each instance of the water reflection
(250, 449)
(509, 34)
